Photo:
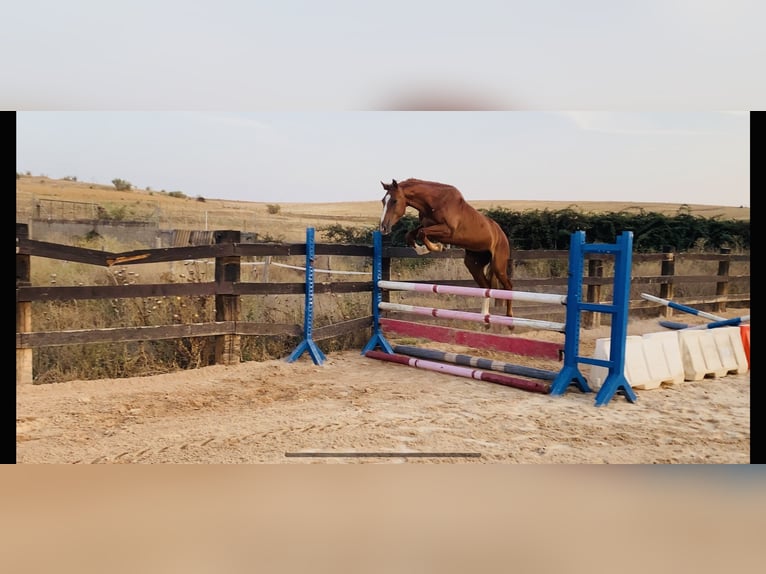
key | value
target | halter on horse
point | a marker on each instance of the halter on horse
(445, 217)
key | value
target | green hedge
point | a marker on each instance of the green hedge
(547, 229)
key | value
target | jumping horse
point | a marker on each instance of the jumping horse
(445, 217)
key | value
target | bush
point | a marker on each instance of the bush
(122, 185)
(348, 235)
(273, 208)
(548, 229)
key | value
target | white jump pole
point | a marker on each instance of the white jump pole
(475, 317)
(474, 292)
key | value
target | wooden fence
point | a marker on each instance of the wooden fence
(227, 287)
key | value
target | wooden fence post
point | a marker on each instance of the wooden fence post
(722, 287)
(592, 319)
(668, 268)
(227, 306)
(24, 374)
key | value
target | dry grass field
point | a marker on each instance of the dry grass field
(292, 219)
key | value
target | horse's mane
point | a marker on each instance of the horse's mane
(412, 182)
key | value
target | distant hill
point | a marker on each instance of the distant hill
(283, 221)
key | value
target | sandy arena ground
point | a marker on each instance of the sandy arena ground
(261, 412)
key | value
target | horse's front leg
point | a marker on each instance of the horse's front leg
(410, 239)
(430, 245)
(434, 235)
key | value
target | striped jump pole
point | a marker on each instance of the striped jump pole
(475, 317)
(478, 362)
(684, 308)
(474, 292)
(524, 384)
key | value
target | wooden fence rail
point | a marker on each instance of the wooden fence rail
(228, 286)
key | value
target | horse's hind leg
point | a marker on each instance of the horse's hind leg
(499, 268)
(476, 262)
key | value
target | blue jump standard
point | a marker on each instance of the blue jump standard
(308, 344)
(570, 374)
(377, 339)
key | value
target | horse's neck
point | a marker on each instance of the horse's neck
(420, 202)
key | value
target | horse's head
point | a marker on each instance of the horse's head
(394, 206)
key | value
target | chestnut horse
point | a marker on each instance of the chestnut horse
(445, 217)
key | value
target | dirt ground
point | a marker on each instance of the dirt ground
(277, 412)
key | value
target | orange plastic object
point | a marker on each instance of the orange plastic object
(744, 331)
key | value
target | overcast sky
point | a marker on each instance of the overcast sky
(315, 82)
(675, 157)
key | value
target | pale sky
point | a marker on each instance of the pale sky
(293, 100)
(674, 157)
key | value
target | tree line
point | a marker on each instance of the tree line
(552, 229)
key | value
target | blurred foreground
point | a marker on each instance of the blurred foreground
(365, 518)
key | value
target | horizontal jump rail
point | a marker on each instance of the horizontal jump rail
(684, 308)
(478, 362)
(478, 340)
(474, 292)
(714, 325)
(527, 385)
(475, 317)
